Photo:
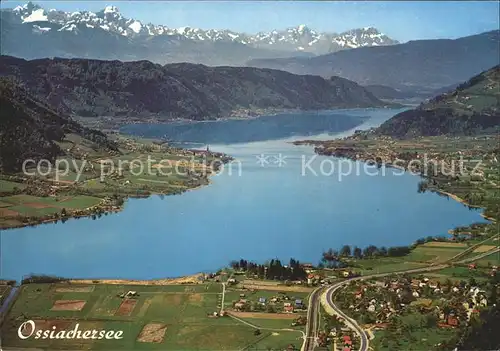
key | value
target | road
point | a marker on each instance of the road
(312, 321)
(223, 298)
(351, 323)
(365, 342)
(313, 311)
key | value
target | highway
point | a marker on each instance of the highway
(312, 321)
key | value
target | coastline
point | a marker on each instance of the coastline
(87, 213)
(118, 122)
(107, 204)
(188, 279)
(359, 157)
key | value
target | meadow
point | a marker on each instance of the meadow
(166, 317)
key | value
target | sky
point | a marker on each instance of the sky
(400, 20)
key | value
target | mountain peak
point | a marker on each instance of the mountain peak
(302, 28)
(30, 6)
(111, 9)
(109, 19)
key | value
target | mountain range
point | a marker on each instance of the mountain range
(473, 107)
(410, 66)
(133, 89)
(30, 31)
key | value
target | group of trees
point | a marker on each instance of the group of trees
(273, 269)
(333, 257)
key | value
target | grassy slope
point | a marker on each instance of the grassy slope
(471, 108)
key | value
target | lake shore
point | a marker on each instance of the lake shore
(393, 153)
(42, 194)
(189, 279)
(113, 124)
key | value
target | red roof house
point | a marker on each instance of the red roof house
(347, 340)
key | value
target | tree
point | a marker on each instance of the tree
(345, 251)
(270, 309)
(357, 252)
(370, 251)
(431, 320)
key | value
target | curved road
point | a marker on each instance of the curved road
(313, 311)
(365, 343)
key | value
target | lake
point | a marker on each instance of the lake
(269, 206)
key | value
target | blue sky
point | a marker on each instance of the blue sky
(401, 20)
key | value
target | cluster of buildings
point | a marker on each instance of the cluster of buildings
(289, 304)
(452, 304)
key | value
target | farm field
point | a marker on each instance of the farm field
(458, 273)
(386, 265)
(6, 185)
(433, 252)
(167, 317)
(34, 206)
(490, 260)
(436, 252)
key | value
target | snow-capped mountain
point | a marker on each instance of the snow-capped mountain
(300, 38)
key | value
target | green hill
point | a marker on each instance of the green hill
(31, 129)
(472, 108)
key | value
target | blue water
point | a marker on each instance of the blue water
(265, 212)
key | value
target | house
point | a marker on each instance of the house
(298, 302)
(288, 309)
(242, 295)
(262, 299)
(416, 294)
(455, 289)
(231, 281)
(346, 274)
(434, 285)
(358, 294)
(472, 266)
(381, 325)
(371, 308)
(347, 340)
(453, 321)
(287, 304)
(239, 305)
